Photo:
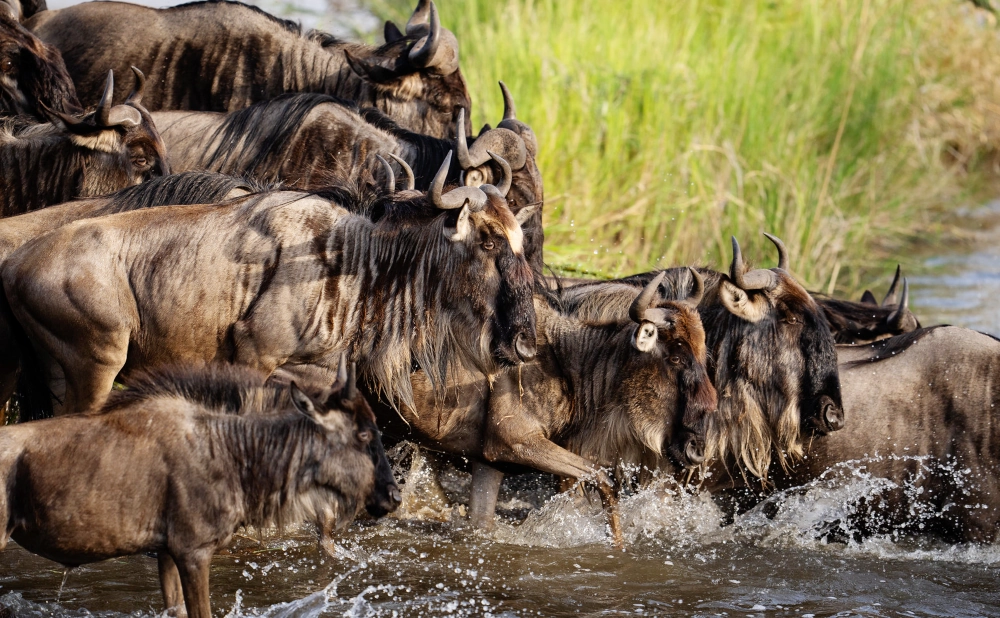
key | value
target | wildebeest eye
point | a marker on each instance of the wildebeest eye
(675, 360)
(364, 436)
(488, 244)
(6, 65)
(791, 319)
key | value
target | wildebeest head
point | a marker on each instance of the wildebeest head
(493, 285)
(867, 321)
(344, 396)
(515, 142)
(776, 354)
(32, 74)
(669, 374)
(110, 128)
(419, 67)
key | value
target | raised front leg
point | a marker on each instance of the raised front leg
(170, 586)
(483, 498)
(193, 569)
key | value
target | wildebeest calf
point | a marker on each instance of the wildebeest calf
(172, 470)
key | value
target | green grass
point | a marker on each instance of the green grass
(666, 126)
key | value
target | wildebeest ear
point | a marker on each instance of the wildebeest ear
(391, 32)
(645, 337)
(868, 298)
(742, 305)
(302, 402)
(462, 227)
(525, 213)
(372, 71)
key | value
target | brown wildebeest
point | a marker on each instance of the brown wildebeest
(771, 356)
(626, 392)
(179, 473)
(114, 147)
(305, 140)
(32, 74)
(186, 188)
(924, 413)
(867, 321)
(280, 278)
(225, 56)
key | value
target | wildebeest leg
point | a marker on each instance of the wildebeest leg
(89, 381)
(609, 498)
(483, 498)
(193, 569)
(170, 586)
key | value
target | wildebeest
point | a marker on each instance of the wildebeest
(176, 189)
(179, 473)
(306, 140)
(624, 392)
(771, 356)
(224, 56)
(33, 77)
(281, 278)
(925, 414)
(867, 321)
(114, 147)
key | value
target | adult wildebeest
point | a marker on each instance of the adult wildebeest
(925, 414)
(33, 77)
(176, 189)
(179, 473)
(281, 278)
(224, 56)
(867, 321)
(626, 392)
(771, 356)
(114, 147)
(306, 140)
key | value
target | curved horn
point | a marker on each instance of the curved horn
(352, 380)
(782, 252)
(389, 174)
(509, 111)
(419, 16)
(890, 296)
(504, 186)
(697, 288)
(103, 112)
(461, 144)
(645, 298)
(422, 53)
(896, 317)
(755, 280)
(135, 97)
(411, 181)
(437, 185)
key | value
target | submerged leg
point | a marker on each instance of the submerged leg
(170, 586)
(483, 498)
(609, 498)
(193, 569)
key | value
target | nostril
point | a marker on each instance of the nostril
(694, 451)
(395, 497)
(834, 417)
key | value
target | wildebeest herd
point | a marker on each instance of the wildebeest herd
(277, 238)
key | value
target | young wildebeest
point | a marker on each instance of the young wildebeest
(596, 395)
(924, 413)
(179, 473)
(224, 56)
(281, 278)
(305, 140)
(771, 357)
(114, 147)
(32, 74)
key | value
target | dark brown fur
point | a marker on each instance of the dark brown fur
(225, 56)
(178, 478)
(32, 75)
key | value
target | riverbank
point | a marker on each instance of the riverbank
(846, 128)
